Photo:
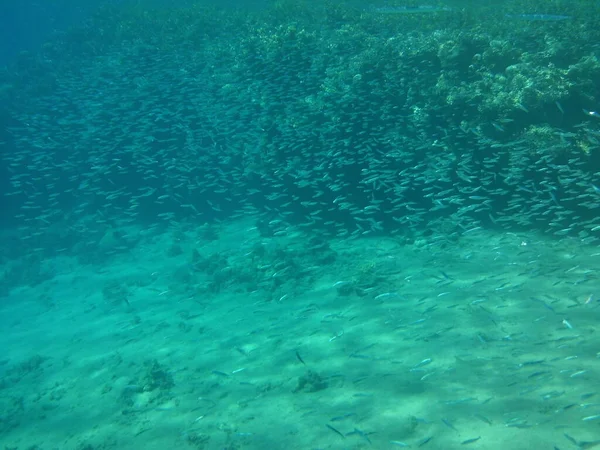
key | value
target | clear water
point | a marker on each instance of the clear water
(308, 226)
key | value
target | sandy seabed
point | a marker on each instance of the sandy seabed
(487, 342)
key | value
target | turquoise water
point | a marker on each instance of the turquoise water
(306, 226)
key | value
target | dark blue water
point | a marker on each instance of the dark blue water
(26, 24)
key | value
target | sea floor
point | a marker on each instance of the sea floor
(487, 341)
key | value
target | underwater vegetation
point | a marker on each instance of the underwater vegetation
(396, 118)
